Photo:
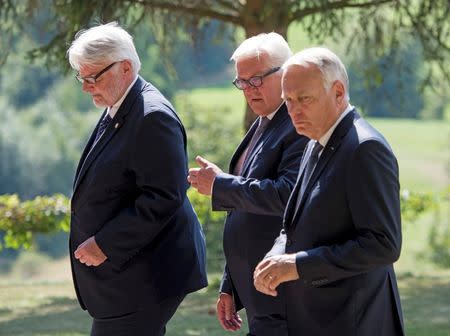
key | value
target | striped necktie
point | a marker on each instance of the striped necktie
(102, 127)
(262, 125)
(309, 169)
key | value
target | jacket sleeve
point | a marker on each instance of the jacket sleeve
(372, 190)
(261, 196)
(227, 286)
(158, 163)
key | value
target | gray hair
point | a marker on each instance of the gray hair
(272, 44)
(327, 62)
(108, 42)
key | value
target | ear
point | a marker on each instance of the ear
(126, 66)
(339, 91)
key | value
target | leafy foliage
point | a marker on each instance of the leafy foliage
(212, 223)
(377, 26)
(395, 77)
(413, 204)
(20, 220)
(440, 232)
(376, 23)
(211, 134)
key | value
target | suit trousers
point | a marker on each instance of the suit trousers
(268, 325)
(151, 320)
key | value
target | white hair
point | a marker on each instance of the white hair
(271, 44)
(103, 43)
(326, 61)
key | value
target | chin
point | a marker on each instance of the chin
(301, 130)
(99, 104)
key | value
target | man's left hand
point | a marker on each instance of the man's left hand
(273, 271)
(89, 253)
(202, 178)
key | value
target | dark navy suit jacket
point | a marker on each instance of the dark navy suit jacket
(347, 235)
(255, 203)
(130, 193)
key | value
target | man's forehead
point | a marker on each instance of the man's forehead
(89, 69)
(252, 64)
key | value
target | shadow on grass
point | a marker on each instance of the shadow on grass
(4, 311)
(197, 316)
(60, 316)
(426, 304)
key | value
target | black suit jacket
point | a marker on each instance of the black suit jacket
(255, 203)
(130, 193)
(347, 234)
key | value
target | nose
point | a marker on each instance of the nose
(250, 89)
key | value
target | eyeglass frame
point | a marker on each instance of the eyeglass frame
(249, 81)
(94, 78)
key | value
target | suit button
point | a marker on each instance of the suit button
(288, 242)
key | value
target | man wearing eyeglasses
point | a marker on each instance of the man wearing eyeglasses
(136, 245)
(261, 176)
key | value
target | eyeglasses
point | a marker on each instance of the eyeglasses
(255, 81)
(93, 79)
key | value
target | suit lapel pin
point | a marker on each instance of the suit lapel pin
(116, 125)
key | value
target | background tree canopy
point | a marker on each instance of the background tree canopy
(376, 25)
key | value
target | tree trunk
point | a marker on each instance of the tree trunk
(273, 19)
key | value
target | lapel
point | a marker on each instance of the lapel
(274, 124)
(87, 149)
(91, 153)
(292, 201)
(330, 149)
(242, 145)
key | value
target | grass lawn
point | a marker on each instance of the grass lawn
(50, 309)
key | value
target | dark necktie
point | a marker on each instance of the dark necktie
(310, 165)
(262, 125)
(102, 127)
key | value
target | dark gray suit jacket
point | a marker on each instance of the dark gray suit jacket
(255, 203)
(130, 193)
(347, 235)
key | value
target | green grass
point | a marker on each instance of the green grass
(50, 309)
(228, 101)
(422, 148)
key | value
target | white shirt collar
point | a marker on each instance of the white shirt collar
(324, 139)
(112, 110)
(270, 116)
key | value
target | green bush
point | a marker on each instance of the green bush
(412, 204)
(439, 238)
(212, 222)
(21, 220)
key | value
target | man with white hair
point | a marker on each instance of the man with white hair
(136, 245)
(342, 229)
(255, 192)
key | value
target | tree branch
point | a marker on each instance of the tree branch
(194, 10)
(301, 13)
(420, 28)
